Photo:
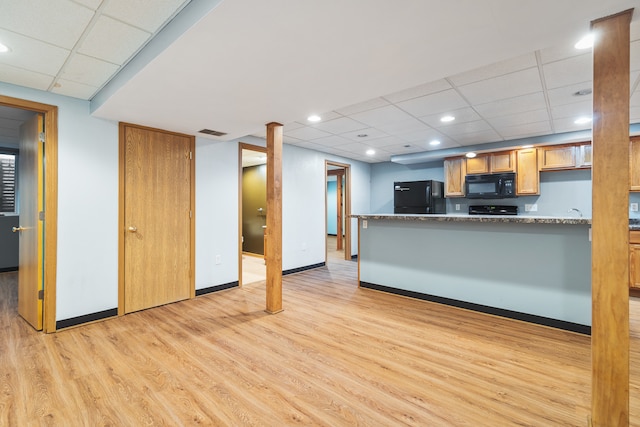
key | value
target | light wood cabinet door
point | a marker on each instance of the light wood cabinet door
(454, 173)
(557, 157)
(503, 162)
(634, 165)
(479, 164)
(583, 154)
(634, 266)
(527, 175)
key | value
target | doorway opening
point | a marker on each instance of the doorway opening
(338, 211)
(38, 306)
(252, 221)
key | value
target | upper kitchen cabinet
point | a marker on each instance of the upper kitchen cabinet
(634, 164)
(583, 155)
(527, 175)
(555, 157)
(500, 162)
(454, 173)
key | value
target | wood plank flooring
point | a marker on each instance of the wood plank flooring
(337, 356)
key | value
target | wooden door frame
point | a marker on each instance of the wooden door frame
(121, 209)
(347, 206)
(243, 146)
(50, 113)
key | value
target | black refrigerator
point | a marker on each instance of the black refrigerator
(419, 197)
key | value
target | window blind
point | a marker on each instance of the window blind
(8, 183)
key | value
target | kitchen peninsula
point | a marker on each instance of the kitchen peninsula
(536, 269)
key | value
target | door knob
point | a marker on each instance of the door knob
(133, 229)
(16, 229)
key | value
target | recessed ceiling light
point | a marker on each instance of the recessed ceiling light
(585, 43)
(4, 48)
(470, 155)
(434, 142)
(582, 120)
(371, 152)
(314, 118)
(446, 119)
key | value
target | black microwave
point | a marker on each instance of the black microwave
(491, 186)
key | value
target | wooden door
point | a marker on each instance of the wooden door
(158, 233)
(30, 183)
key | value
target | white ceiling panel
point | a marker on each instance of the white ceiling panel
(86, 70)
(370, 133)
(568, 71)
(340, 125)
(519, 104)
(562, 51)
(584, 108)
(384, 141)
(20, 77)
(306, 133)
(503, 87)
(381, 116)
(332, 141)
(527, 129)
(635, 56)
(567, 94)
(461, 116)
(423, 135)
(519, 119)
(137, 12)
(403, 127)
(113, 41)
(495, 70)
(60, 22)
(73, 89)
(568, 125)
(447, 100)
(634, 114)
(478, 137)
(289, 140)
(460, 129)
(356, 147)
(31, 54)
(418, 91)
(92, 4)
(362, 106)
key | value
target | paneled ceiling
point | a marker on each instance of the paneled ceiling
(380, 74)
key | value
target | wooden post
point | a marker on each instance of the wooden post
(274, 218)
(610, 225)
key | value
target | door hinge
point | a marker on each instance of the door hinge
(41, 136)
(41, 215)
(41, 294)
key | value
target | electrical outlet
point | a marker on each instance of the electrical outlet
(634, 207)
(218, 259)
(534, 207)
(530, 207)
(457, 206)
(365, 224)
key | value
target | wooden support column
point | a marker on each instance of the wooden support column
(610, 226)
(274, 218)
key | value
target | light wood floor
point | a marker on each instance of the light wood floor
(336, 356)
(253, 268)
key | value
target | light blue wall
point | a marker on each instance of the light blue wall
(559, 190)
(332, 215)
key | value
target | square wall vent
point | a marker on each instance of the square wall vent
(212, 132)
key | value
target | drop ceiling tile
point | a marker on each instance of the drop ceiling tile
(332, 141)
(288, 140)
(426, 135)
(385, 141)
(568, 125)
(519, 119)
(634, 80)
(418, 91)
(403, 149)
(569, 71)
(93, 4)
(20, 77)
(31, 54)
(458, 129)
(634, 30)
(574, 110)
(561, 52)
(288, 127)
(519, 104)
(635, 99)
(329, 115)
(113, 41)
(310, 146)
(635, 56)
(89, 71)
(404, 127)
(481, 137)
(371, 133)
(503, 87)
(355, 147)
(434, 103)
(148, 15)
(381, 116)
(306, 133)
(494, 70)
(339, 125)
(634, 114)
(74, 89)
(567, 94)
(525, 130)
(58, 23)
(362, 106)
(462, 115)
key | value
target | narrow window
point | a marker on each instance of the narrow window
(8, 179)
